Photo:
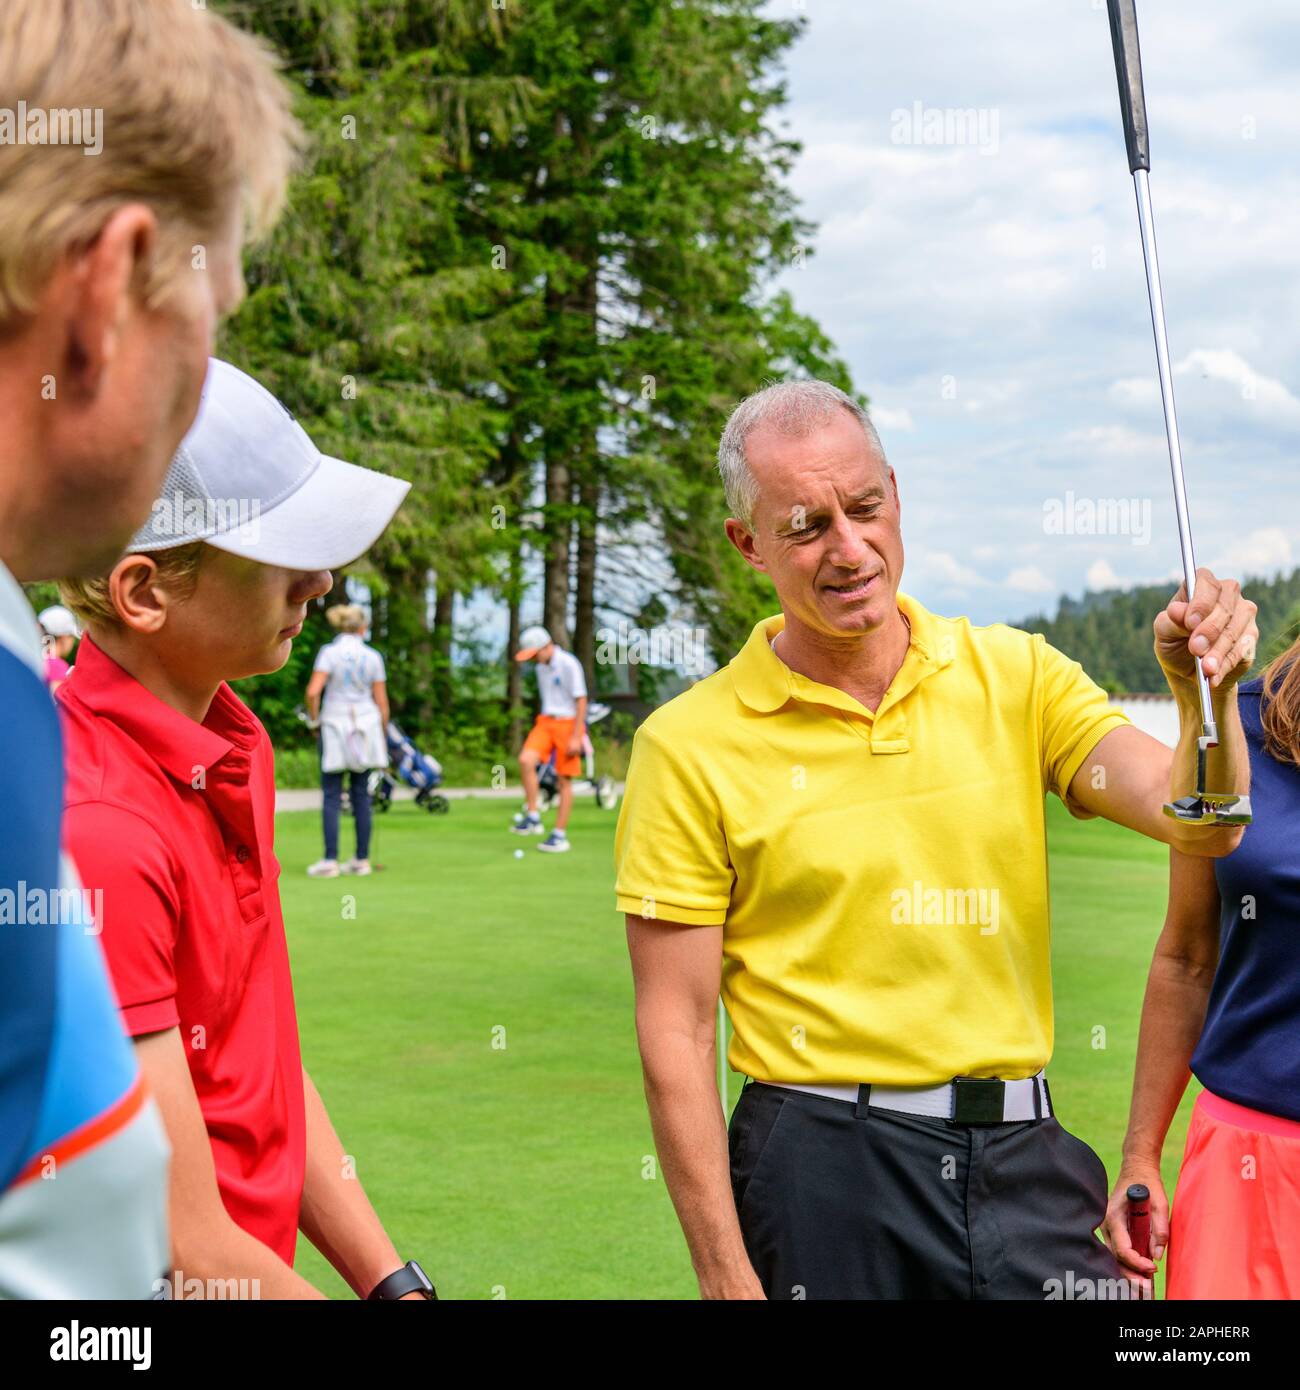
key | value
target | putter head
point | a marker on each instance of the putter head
(1210, 808)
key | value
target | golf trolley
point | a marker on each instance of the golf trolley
(548, 782)
(416, 769)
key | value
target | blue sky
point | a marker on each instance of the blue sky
(990, 299)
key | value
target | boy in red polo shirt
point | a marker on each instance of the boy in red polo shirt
(170, 811)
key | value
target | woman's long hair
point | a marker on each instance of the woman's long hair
(1281, 705)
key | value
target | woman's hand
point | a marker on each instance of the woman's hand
(1137, 1267)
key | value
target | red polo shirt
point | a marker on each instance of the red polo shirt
(174, 821)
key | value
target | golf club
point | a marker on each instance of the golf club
(1202, 807)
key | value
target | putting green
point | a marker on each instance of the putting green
(467, 1016)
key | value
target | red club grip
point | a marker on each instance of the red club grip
(1139, 1219)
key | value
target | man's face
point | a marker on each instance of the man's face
(240, 620)
(826, 526)
(107, 457)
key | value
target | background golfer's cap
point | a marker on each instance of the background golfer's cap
(531, 641)
(58, 622)
(247, 479)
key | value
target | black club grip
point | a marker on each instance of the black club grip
(1128, 69)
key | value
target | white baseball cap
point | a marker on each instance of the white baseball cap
(531, 641)
(248, 480)
(57, 621)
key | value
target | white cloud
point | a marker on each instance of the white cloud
(884, 418)
(1029, 579)
(1101, 576)
(1136, 390)
(1222, 364)
(939, 565)
(1024, 266)
(1261, 553)
(1115, 439)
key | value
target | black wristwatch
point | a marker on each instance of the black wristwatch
(409, 1279)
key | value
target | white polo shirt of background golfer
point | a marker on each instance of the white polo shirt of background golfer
(561, 683)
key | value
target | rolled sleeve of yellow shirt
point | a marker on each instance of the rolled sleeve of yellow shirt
(670, 844)
(880, 877)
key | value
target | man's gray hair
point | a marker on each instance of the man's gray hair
(792, 407)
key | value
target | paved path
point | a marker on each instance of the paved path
(309, 798)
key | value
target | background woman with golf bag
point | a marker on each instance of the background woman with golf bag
(352, 720)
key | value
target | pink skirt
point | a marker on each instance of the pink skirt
(1235, 1226)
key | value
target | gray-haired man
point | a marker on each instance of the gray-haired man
(844, 831)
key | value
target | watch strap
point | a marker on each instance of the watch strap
(409, 1279)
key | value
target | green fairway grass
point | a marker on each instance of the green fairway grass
(468, 1018)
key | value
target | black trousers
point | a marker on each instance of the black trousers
(838, 1201)
(332, 786)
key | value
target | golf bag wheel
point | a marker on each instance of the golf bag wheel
(380, 786)
(606, 794)
(438, 805)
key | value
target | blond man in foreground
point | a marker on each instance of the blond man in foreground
(140, 140)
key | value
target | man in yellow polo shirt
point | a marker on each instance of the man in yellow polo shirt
(844, 831)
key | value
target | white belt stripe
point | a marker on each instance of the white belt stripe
(936, 1101)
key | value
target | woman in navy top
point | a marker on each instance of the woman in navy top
(1223, 1004)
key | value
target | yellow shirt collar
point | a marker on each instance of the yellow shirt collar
(765, 683)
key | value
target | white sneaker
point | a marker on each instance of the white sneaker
(528, 823)
(557, 842)
(323, 868)
(357, 866)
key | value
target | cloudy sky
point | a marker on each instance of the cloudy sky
(987, 290)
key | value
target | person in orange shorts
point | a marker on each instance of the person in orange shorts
(557, 732)
(1223, 1004)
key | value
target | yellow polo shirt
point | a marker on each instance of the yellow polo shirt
(881, 879)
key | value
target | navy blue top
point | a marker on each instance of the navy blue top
(1249, 1050)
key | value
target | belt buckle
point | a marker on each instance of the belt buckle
(978, 1100)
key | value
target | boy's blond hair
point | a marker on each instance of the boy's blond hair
(191, 112)
(92, 604)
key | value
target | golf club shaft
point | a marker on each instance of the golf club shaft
(1146, 225)
(1128, 71)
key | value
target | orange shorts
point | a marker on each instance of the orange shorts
(1235, 1227)
(549, 734)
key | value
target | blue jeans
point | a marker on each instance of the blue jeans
(332, 784)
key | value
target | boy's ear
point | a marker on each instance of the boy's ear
(140, 600)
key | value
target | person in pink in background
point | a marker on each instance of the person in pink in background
(59, 636)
